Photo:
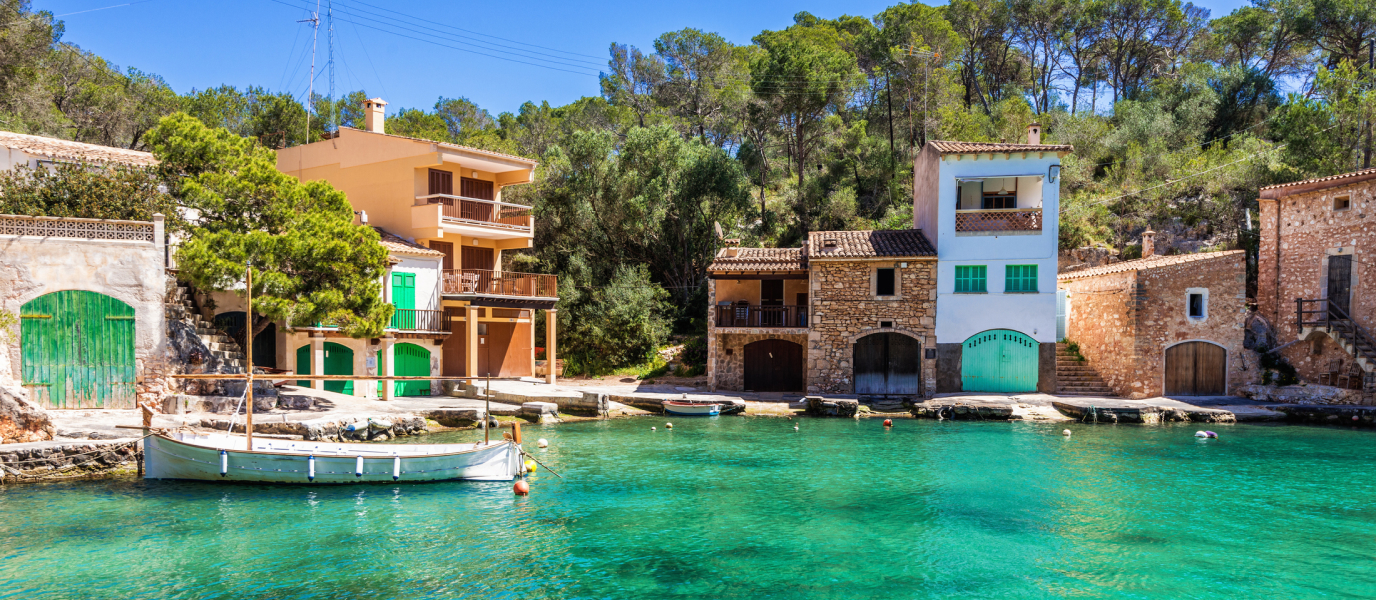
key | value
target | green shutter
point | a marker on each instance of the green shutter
(77, 350)
(412, 361)
(339, 360)
(1020, 278)
(404, 297)
(971, 279)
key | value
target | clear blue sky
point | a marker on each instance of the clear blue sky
(205, 43)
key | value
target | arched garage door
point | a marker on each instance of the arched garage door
(1196, 369)
(999, 360)
(773, 366)
(339, 360)
(77, 350)
(412, 361)
(888, 364)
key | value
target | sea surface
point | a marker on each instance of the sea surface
(741, 507)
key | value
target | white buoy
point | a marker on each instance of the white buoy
(653, 429)
(668, 425)
(543, 443)
(1065, 432)
(1200, 434)
(795, 427)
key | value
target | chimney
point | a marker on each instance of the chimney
(373, 115)
(732, 247)
(1148, 243)
(1034, 134)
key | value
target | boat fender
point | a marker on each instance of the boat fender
(396, 467)
(530, 466)
(668, 425)
(888, 422)
(653, 429)
(543, 443)
(1200, 434)
(358, 466)
(1065, 432)
(795, 427)
(521, 488)
(1211, 434)
(310, 467)
(379, 424)
(352, 427)
(224, 464)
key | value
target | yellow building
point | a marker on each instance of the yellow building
(440, 211)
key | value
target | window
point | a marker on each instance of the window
(883, 282)
(886, 324)
(1197, 303)
(1342, 203)
(1197, 306)
(999, 201)
(1020, 278)
(970, 279)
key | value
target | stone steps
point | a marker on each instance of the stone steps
(1075, 377)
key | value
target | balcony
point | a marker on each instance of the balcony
(998, 220)
(415, 319)
(741, 314)
(480, 282)
(473, 211)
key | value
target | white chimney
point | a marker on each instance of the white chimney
(373, 115)
(1034, 134)
(1148, 243)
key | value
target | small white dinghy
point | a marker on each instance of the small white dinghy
(222, 457)
(688, 409)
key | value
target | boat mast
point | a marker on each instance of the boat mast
(248, 352)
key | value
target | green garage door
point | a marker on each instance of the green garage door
(339, 360)
(77, 350)
(999, 360)
(412, 361)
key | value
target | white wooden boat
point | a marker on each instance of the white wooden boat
(688, 409)
(222, 457)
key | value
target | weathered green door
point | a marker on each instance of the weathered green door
(999, 360)
(339, 360)
(412, 361)
(77, 350)
(404, 299)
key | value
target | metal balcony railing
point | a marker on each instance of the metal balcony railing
(484, 212)
(755, 315)
(500, 283)
(999, 219)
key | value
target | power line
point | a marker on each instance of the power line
(488, 35)
(79, 12)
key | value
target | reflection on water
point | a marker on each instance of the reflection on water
(746, 508)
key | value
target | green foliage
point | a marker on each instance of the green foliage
(9, 324)
(621, 321)
(311, 264)
(86, 191)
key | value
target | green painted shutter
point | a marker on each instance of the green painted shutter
(339, 360)
(999, 360)
(1020, 278)
(303, 364)
(404, 297)
(412, 361)
(971, 279)
(77, 350)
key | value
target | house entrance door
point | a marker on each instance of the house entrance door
(1340, 284)
(771, 295)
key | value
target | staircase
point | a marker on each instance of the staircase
(181, 307)
(1074, 377)
(1319, 315)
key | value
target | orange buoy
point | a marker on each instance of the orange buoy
(888, 422)
(522, 488)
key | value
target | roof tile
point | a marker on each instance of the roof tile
(761, 259)
(1151, 262)
(400, 245)
(1322, 179)
(75, 151)
(865, 244)
(950, 147)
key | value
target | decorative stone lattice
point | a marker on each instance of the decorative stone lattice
(67, 227)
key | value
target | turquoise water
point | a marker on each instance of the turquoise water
(745, 508)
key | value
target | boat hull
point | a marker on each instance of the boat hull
(226, 458)
(691, 410)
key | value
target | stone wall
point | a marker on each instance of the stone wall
(729, 351)
(1309, 230)
(844, 310)
(1124, 322)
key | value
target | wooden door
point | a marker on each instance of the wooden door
(1196, 369)
(448, 249)
(999, 360)
(456, 345)
(888, 364)
(1340, 284)
(77, 350)
(404, 300)
(478, 258)
(476, 188)
(773, 366)
(411, 361)
(441, 182)
(339, 360)
(771, 295)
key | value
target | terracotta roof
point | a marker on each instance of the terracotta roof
(74, 151)
(1335, 178)
(948, 147)
(1152, 262)
(864, 244)
(761, 259)
(449, 145)
(400, 245)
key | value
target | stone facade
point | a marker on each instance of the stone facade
(1125, 320)
(845, 309)
(1299, 232)
(728, 349)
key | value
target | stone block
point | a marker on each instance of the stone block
(536, 409)
(295, 402)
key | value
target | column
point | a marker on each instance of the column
(317, 361)
(550, 357)
(386, 365)
(470, 345)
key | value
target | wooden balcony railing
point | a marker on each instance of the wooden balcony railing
(416, 319)
(486, 212)
(754, 315)
(999, 219)
(500, 283)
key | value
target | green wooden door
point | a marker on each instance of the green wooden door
(339, 360)
(77, 350)
(404, 299)
(412, 361)
(999, 360)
